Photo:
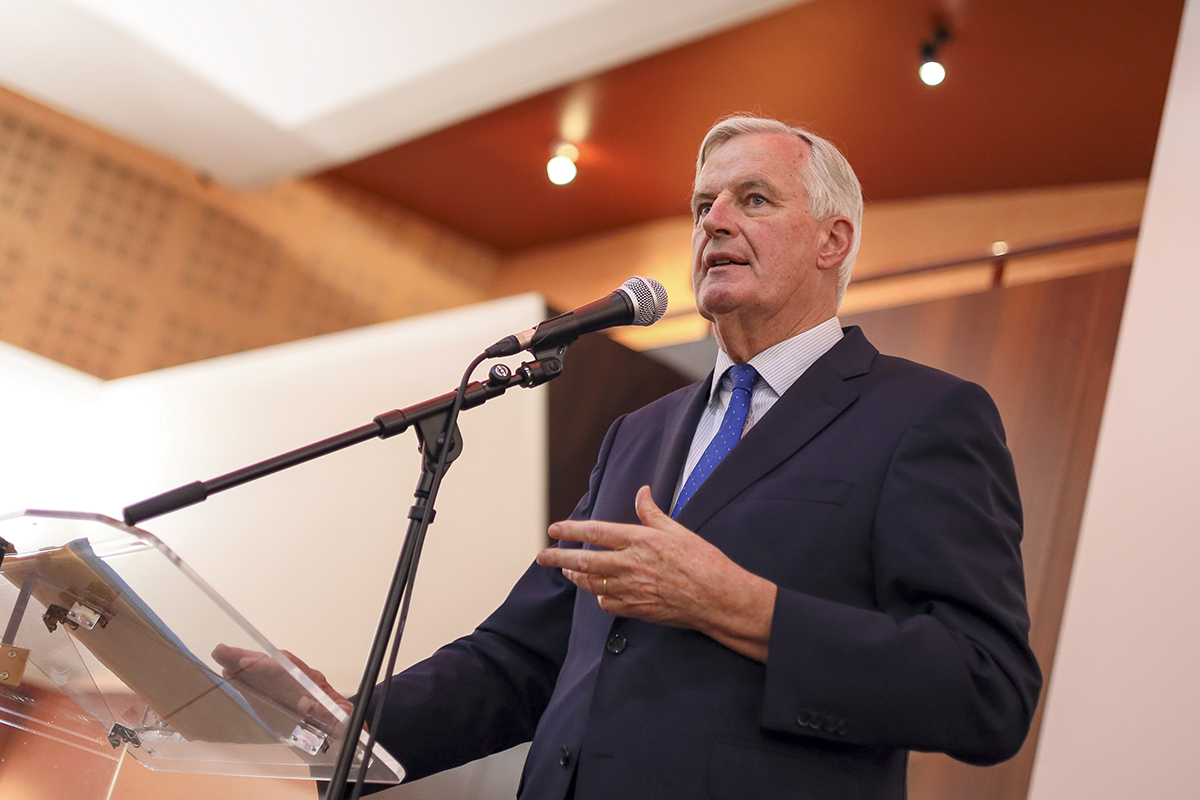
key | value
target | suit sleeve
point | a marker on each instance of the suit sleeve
(942, 661)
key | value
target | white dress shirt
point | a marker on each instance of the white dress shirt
(778, 368)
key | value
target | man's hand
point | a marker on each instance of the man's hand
(661, 572)
(266, 677)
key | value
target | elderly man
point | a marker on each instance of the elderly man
(782, 578)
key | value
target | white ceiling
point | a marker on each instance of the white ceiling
(253, 90)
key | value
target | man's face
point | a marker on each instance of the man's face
(757, 254)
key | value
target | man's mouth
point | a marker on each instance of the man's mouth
(722, 261)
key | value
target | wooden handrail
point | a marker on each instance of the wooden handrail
(1050, 246)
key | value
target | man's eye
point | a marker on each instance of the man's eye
(757, 200)
(702, 209)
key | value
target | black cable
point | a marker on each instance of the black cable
(438, 472)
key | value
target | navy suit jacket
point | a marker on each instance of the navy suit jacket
(879, 495)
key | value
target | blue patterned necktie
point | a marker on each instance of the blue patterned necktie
(742, 376)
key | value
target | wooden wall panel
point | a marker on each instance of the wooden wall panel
(116, 261)
(1044, 351)
(895, 235)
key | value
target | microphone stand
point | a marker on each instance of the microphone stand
(436, 422)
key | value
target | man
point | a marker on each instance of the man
(789, 619)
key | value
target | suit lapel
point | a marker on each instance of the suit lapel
(815, 400)
(678, 429)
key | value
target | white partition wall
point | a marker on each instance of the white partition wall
(306, 554)
(48, 419)
(1123, 709)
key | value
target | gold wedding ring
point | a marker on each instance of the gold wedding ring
(604, 586)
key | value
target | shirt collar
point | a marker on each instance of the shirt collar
(780, 365)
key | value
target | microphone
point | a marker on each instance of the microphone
(639, 301)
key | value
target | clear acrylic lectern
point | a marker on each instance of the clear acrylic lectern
(108, 649)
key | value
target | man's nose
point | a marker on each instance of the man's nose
(719, 221)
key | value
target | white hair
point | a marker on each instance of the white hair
(829, 181)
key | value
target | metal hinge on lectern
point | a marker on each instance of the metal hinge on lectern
(79, 614)
(120, 734)
(309, 740)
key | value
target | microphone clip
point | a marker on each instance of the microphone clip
(547, 364)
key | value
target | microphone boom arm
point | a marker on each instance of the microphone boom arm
(384, 426)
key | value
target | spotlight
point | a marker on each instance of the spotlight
(932, 72)
(560, 169)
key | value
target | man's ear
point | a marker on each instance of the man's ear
(839, 233)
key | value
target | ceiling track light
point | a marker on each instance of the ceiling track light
(931, 71)
(560, 169)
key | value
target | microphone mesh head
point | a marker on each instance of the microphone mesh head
(649, 299)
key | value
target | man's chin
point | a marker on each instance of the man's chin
(715, 302)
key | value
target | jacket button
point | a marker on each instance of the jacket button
(564, 755)
(803, 719)
(842, 730)
(616, 643)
